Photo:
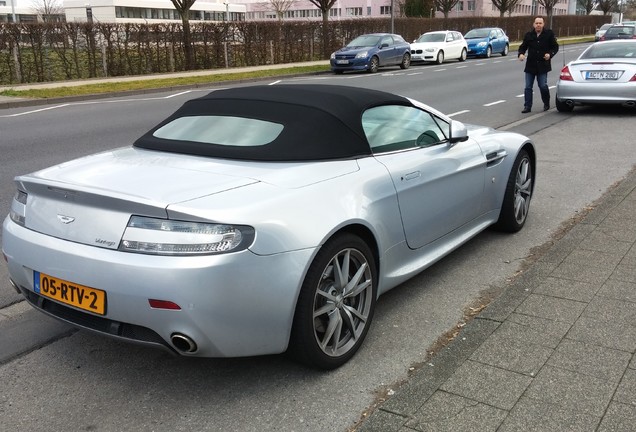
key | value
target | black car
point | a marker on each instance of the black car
(619, 32)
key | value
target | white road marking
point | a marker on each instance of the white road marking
(494, 103)
(458, 113)
(108, 101)
(275, 82)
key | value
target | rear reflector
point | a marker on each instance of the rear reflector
(163, 304)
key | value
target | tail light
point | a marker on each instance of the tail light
(565, 74)
(633, 78)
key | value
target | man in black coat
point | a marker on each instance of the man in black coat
(538, 48)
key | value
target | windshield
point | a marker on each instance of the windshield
(365, 41)
(432, 37)
(477, 33)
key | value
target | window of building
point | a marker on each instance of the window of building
(385, 10)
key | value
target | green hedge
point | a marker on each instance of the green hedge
(66, 51)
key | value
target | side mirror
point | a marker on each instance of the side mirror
(458, 132)
(384, 45)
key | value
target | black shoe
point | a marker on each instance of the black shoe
(546, 107)
(525, 110)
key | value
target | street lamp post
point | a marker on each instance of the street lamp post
(227, 10)
(13, 11)
(392, 19)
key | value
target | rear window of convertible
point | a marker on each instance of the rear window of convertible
(220, 130)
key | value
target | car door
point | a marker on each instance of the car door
(386, 53)
(450, 48)
(498, 42)
(439, 186)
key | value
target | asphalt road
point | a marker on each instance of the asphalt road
(56, 379)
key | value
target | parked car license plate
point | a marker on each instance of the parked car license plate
(342, 61)
(599, 75)
(80, 296)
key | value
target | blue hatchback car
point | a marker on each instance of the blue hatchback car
(371, 51)
(483, 42)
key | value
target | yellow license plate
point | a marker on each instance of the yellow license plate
(79, 296)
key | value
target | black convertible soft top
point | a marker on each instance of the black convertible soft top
(321, 122)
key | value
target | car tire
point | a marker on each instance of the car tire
(505, 51)
(336, 304)
(374, 64)
(406, 61)
(488, 52)
(440, 57)
(516, 202)
(463, 55)
(561, 106)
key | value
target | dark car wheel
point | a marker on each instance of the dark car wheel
(336, 304)
(488, 52)
(561, 106)
(516, 203)
(374, 64)
(505, 51)
(406, 61)
(440, 57)
(463, 56)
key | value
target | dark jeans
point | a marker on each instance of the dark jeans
(542, 81)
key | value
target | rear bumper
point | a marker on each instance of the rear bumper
(596, 93)
(231, 305)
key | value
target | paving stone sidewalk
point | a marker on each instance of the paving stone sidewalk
(555, 352)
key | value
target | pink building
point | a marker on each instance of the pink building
(347, 9)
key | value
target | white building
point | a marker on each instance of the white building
(22, 14)
(148, 11)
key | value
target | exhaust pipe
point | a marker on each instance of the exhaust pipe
(15, 287)
(630, 104)
(569, 103)
(183, 343)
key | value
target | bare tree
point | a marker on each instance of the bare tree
(445, 6)
(587, 5)
(47, 9)
(505, 6)
(549, 6)
(183, 7)
(281, 7)
(607, 6)
(325, 6)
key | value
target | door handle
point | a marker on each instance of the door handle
(411, 176)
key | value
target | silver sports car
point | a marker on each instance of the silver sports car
(605, 73)
(261, 219)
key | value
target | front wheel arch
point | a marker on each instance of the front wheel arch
(519, 191)
(440, 57)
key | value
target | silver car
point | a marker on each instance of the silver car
(261, 219)
(605, 73)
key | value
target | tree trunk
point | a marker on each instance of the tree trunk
(187, 41)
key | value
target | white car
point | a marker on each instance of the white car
(601, 31)
(436, 46)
